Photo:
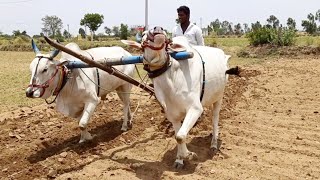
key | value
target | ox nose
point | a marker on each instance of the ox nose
(29, 93)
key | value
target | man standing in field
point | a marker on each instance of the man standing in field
(192, 32)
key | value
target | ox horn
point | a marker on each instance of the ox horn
(55, 52)
(150, 35)
(138, 37)
(34, 47)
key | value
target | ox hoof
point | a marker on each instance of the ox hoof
(178, 164)
(192, 156)
(86, 137)
(215, 144)
(126, 127)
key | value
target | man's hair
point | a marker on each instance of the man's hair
(184, 9)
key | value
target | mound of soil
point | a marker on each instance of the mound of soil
(285, 51)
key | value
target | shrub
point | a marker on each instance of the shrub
(273, 36)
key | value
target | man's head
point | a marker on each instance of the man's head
(183, 14)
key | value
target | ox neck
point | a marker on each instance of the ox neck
(156, 70)
(61, 81)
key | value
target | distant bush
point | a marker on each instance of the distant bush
(21, 40)
(265, 35)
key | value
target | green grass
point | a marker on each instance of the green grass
(232, 42)
(308, 41)
(15, 78)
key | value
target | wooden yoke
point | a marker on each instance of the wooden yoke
(108, 69)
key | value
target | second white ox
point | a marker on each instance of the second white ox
(179, 85)
(79, 90)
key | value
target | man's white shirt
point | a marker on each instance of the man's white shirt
(193, 34)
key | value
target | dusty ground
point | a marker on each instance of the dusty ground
(269, 127)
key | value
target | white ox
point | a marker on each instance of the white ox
(77, 92)
(179, 87)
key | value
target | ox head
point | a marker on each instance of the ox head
(44, 73)
(155, 45)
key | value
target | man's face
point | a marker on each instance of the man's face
(183, 18)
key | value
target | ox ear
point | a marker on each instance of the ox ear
(176, 47)
(132, 44)
(63, 63)
(35, 48)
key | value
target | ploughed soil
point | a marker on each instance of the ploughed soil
(269, 129)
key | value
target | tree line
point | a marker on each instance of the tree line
(53, 25)
(228, 28)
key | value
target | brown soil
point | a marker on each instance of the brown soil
(269, 129)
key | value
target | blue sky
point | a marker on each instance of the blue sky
(26, 14)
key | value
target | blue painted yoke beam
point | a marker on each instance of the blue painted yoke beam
(125, 60)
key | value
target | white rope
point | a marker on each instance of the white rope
(138, 105)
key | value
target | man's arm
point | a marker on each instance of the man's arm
(174, 32)
(199, 37)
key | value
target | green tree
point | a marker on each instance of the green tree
(291, 23)
(230, 29)
(24, 33)
(224, 27)
(93, 21)
(310, 25)
(124, 32)
(107, 31)
(59, 36)
(16, 33)
(256, 25)
(238, 29)
(318, 18)
(66, 34)
(214, 26)
(52, 24)
(116, 31)
(82, 32)
(273, 21)
(318, 15)
(246, 28)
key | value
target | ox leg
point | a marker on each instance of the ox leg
(84, 120)
(178, 162)
(124, 94)
(191, 118)
(215, 109)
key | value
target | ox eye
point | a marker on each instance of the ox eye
(44, 70)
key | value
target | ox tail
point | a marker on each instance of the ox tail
(233, 71)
